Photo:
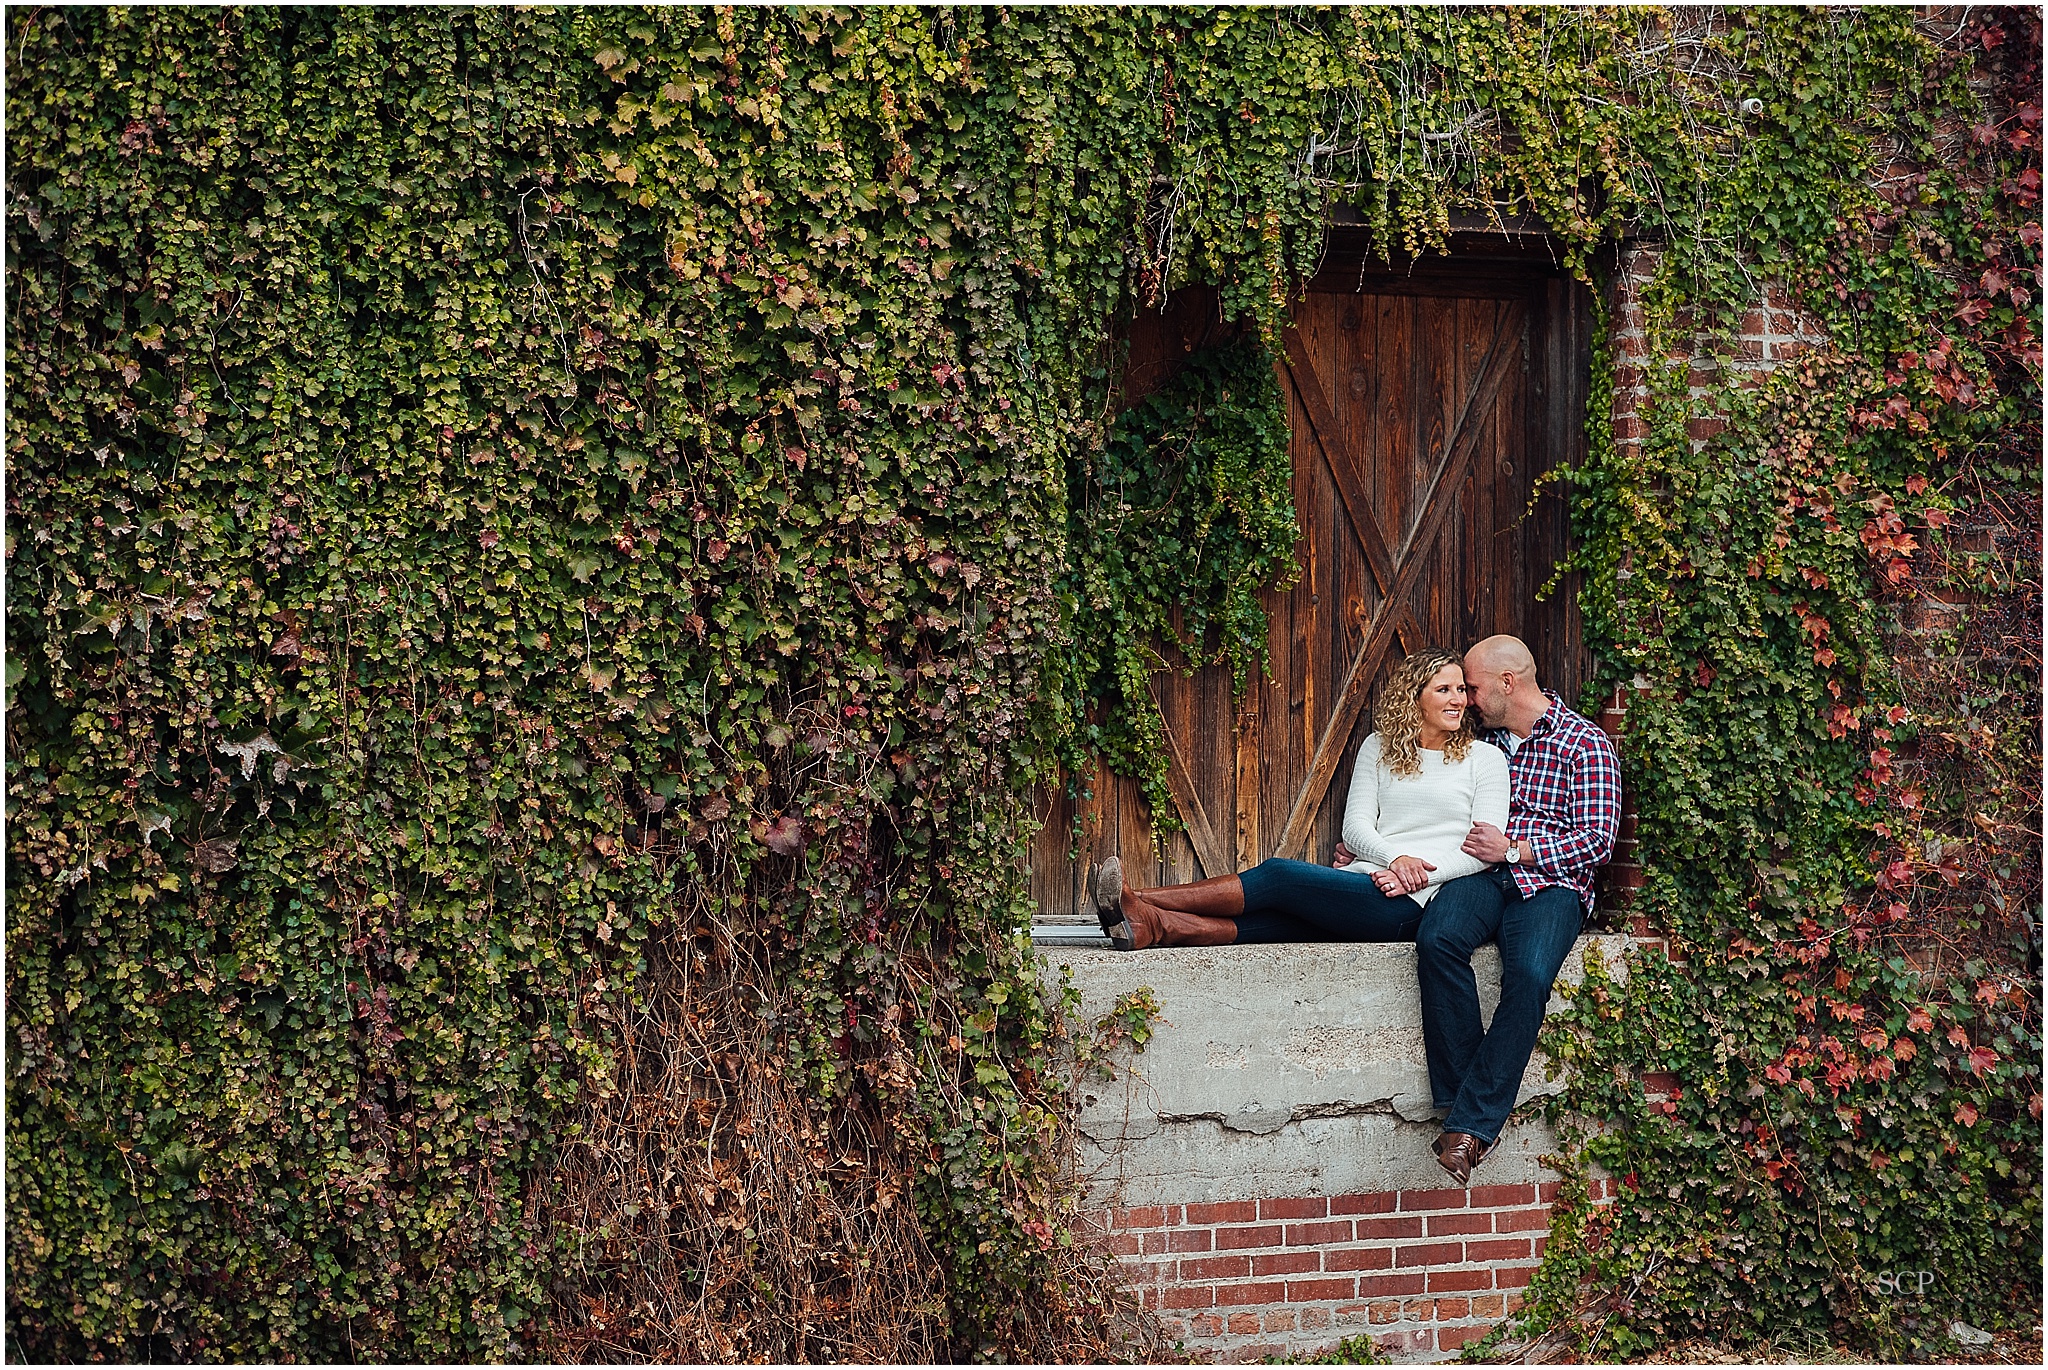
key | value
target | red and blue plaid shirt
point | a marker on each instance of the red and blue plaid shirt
(1564, 800)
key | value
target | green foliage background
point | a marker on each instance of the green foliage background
(494, 495)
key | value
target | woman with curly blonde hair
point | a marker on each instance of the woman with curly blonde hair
(1420, 782)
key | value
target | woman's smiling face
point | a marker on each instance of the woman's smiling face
(1441, 705)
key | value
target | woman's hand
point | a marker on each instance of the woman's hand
(1389, 883)
(1412, 872)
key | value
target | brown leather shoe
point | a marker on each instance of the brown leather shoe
(1458, 1153)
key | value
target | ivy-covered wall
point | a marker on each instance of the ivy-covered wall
(546, 547)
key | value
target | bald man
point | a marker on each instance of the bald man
(1564, 804)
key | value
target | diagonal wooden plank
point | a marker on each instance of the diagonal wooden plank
(1393, 610)
(1211, 854)
(1493, 372)
(1343, 468)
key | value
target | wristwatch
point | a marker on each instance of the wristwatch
(1514, 851)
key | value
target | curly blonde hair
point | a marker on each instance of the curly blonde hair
(1399, 722)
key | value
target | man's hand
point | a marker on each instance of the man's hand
(1343, 856)
(1412, 872)
(1486, 842)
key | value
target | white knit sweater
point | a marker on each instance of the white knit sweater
(1425, 815)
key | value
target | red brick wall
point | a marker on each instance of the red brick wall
(1621, 877)
(1771, 334)
(1422, 1270)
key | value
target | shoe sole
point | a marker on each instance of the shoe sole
(1109, 907)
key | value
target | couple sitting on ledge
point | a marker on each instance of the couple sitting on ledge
(1459, 830)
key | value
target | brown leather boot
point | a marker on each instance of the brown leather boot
(1221, 896)
(1145, 924)
(1196, 915)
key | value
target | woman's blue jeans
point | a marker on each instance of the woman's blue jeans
(1293, 901)
(1476, 1071)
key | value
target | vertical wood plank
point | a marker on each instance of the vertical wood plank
(1134, 827)
(1518, 457)
(1479, 321)
(1349, 581)
(1049, 865)
(1394, 437)
(1091, 847)
(1249, 736)
(1433, 607)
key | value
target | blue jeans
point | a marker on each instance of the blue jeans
(1476, 1072)
(1293, 901)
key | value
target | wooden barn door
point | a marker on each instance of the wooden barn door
(1426, 406)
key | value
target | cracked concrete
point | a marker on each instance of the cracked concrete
(1281, 1071)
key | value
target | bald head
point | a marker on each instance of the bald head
(1499, 654)
(1500, 673)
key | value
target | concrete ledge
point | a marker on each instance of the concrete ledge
(1282, 1071)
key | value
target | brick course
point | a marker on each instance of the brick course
(1423, 1271)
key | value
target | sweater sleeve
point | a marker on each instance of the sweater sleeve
(1489, 770)
(1489, 785)
(1362, 807)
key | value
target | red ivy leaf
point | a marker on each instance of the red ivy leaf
(786, 836)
